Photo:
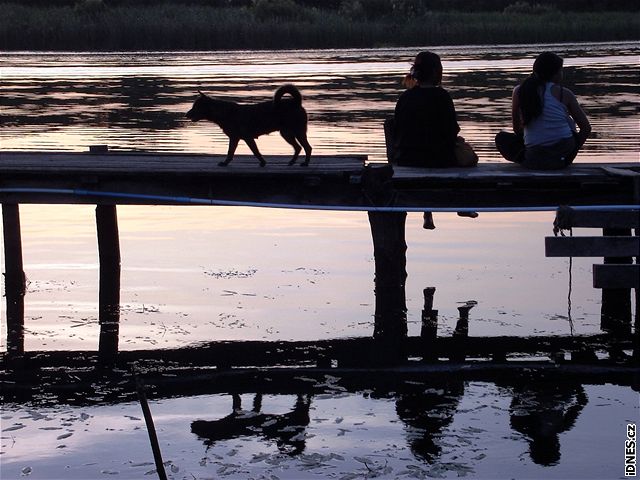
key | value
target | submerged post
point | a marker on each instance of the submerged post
(616, 302)
(636, 335)
(15, 284)
(429, 329)
(461, 333)
(389, 250)
(109, 296)
(151, 430)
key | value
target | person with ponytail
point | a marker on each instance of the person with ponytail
(544, 117)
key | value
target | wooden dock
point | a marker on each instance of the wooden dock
(329, 181)
(108, 179)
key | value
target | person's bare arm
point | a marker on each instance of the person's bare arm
(516, 117)
(576, 112)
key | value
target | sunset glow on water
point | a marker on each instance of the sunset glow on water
(198, 274)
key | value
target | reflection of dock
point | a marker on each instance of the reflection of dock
(334, 183)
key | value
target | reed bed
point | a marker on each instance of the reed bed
(170, 26)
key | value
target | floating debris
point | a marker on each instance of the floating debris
(233, 273)
(17, 426)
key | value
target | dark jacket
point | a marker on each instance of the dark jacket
(425, 128)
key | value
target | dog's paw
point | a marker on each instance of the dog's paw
(292, 162)
(263, 164)
(304, 164)
(223, 164)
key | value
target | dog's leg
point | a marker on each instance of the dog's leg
(291, 140)
(233, 144)
(254, 148)
(302, 138)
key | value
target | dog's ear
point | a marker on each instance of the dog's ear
(201, 94)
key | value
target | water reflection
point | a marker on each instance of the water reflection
(287, 429)
(426, 413)
(355, 89)
(542, 411)
(393, 423)
(539, 410)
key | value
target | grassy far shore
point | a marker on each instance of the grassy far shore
(93, 25)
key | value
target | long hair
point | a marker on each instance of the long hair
(545, 67)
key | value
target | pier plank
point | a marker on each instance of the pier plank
(608, 246)
(604, 219)
(616, 276)
(123, 163)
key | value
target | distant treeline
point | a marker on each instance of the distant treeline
(103, 25)
(383, 7)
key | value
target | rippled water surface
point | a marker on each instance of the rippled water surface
(195, 274)
(200, 273)
(137, 101)
(453, 430)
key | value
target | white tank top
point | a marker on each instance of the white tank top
(552, 125)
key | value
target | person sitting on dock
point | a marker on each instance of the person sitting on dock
(424, 129)
(544, 117)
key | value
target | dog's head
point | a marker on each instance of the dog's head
(198, 109)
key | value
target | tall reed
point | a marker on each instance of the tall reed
(171, 26)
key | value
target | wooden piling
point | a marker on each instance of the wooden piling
(636, 336)
(151, 430)
(389, 250)
(616, 302)
(429, 329)
(109, 296)
(15, 283)
(461, 333)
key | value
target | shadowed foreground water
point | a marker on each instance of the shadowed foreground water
(527, 429)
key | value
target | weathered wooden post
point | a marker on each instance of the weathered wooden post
(15, 284)
(616, 302)
(429, 329)
(389, 251)
(151, 430)
(636, 336)
(109, 296)
(461, 333)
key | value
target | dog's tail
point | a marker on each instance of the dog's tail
(288, 89)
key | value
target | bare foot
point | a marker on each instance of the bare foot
(468, 214)
(428, 221)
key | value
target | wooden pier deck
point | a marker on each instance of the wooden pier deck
(108, 179)
(330, 181)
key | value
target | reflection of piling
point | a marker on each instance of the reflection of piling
(15, 284)
(429, 330)
(109, 296)
(461, 333)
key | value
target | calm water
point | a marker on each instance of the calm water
(196, 274)
(466, 429)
